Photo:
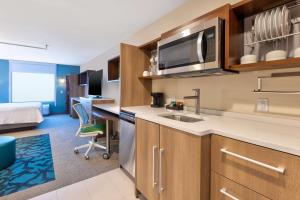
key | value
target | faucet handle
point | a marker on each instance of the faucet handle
(197, 91)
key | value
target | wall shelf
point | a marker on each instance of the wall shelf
(154, 77)
(267, 65)
(113, 69)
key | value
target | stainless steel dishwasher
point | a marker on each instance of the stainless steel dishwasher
(127, 142)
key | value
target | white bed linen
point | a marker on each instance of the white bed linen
(19, 113)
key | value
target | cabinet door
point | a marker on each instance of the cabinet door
(184, 167)
(134, 91)
(147, 147)
(225, 189)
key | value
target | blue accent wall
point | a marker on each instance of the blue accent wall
(61, 72)
(4, 81)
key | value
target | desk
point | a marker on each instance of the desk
(109, 113)
(112, 109)
(88, 103)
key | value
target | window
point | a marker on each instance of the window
(32, 81)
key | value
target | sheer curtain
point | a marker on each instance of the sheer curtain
(32, 81)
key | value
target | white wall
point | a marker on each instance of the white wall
(188, 11)
(233, 92)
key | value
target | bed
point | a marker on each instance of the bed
(20, 115)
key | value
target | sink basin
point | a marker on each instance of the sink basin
(182, 118)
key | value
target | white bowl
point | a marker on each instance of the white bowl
(276, 55)
(297, 52)
(247, 59)
(146, 73)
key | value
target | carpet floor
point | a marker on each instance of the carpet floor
(33, 165)
(68, 167)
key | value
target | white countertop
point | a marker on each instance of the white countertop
(112, 108)
(275, 133)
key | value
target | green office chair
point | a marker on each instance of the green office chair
(88, 130)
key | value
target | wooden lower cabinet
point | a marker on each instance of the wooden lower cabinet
(225, 189)
(261, 172)
(147, 147)
(178, 169)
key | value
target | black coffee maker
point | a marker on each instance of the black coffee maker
(157, 99)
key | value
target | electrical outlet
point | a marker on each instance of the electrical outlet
(262, 105)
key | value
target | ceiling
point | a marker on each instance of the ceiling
(75, 30)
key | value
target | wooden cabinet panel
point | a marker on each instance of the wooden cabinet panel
(147, 137)
(184, 165)
(265, 181)
(224, 189)
(134, 91)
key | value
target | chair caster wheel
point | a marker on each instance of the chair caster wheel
(86, 157)
(105, 156)
(76, 151)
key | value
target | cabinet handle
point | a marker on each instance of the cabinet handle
(223, 191)
(153, 166)
(276, 169)
(161, 188)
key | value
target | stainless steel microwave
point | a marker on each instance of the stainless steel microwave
(197, 49)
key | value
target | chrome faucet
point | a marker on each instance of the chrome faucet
(197, 100)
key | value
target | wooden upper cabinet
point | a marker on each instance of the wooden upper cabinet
(134, 91)
(242, 15)
(147, 152)
(84, 77)
(221, 12)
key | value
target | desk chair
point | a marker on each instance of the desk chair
(87, 129)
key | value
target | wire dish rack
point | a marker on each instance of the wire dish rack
(290, 23)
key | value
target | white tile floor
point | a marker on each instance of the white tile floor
(113, 185)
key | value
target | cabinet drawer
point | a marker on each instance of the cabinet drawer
(257, 168)
(224, 189)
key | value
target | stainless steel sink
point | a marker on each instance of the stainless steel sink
(182, 118)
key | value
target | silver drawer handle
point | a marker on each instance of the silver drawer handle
(277, 169)
(223, 191)
(161, 187)
(154, 183)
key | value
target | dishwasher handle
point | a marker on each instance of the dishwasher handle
(127, 117)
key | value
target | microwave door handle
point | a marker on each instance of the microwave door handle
(199, 47)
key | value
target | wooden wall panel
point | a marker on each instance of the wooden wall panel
(134, 91)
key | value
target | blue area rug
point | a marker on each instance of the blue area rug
(33, 166)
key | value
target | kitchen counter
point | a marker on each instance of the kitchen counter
(275, 133)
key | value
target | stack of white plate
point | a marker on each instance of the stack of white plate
(272, 23)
